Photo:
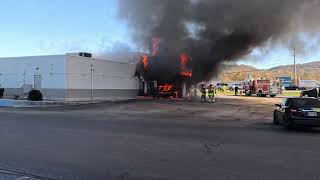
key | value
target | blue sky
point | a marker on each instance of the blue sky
(280, 54)
(36, 27)
(41, 27)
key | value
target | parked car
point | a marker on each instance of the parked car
(292, 88)
(275, 89)
(234, 85)
(303, 111)
(308, 84)
(221, 86)
(310, 93)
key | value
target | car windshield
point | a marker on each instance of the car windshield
(305, 102)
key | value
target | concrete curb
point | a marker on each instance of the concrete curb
(26, 103)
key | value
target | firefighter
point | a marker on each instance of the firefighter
(203, 93)
(236, 91)
(211, 92)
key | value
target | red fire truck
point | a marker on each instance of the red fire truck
(261, 87)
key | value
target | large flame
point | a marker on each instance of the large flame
(184, 59)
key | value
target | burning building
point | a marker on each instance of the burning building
(191, 38)
(165, 75)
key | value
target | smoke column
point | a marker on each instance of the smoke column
(214, 31)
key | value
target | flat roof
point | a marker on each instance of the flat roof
(13, 57)
(70, 55)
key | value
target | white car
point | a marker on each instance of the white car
(220, 86)
(234, 85)
(274, 90)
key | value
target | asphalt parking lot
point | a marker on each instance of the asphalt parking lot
(158, 140)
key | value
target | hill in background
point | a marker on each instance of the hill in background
(307, 71)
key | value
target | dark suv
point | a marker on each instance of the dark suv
(310, 93)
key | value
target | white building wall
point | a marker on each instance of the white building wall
(68, 77)
(109, 80)
(17, 70)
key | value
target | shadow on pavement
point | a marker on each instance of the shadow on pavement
(277, 128)
(304, 129)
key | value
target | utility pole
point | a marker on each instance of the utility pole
(92, 81)
(244, 76)
(294, 66)
(24, 77)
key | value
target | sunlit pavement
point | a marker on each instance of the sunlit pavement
(157, 139)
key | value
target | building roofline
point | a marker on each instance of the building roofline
(98, 59)
(13, 57)
(70, 55)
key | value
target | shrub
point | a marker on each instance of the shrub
(35, 95)
(1, 92)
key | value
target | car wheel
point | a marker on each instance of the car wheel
(259, 94)
(246, 92)
(272, 95)
(288, 122)
(275, 119)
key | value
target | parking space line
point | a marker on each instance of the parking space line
(22, 178)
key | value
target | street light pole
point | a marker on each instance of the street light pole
(92, 81)
(244, 76)
(294, 66)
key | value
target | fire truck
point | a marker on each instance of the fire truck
(261, 87)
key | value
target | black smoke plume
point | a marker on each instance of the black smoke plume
(214, 31)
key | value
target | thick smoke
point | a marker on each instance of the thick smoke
(214, 31)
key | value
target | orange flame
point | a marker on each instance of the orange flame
(184, 70)
(165, 88)
(145, 61)
(186, 74)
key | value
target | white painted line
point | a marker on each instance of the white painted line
(22, 178)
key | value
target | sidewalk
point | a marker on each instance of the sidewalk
(26, 103)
